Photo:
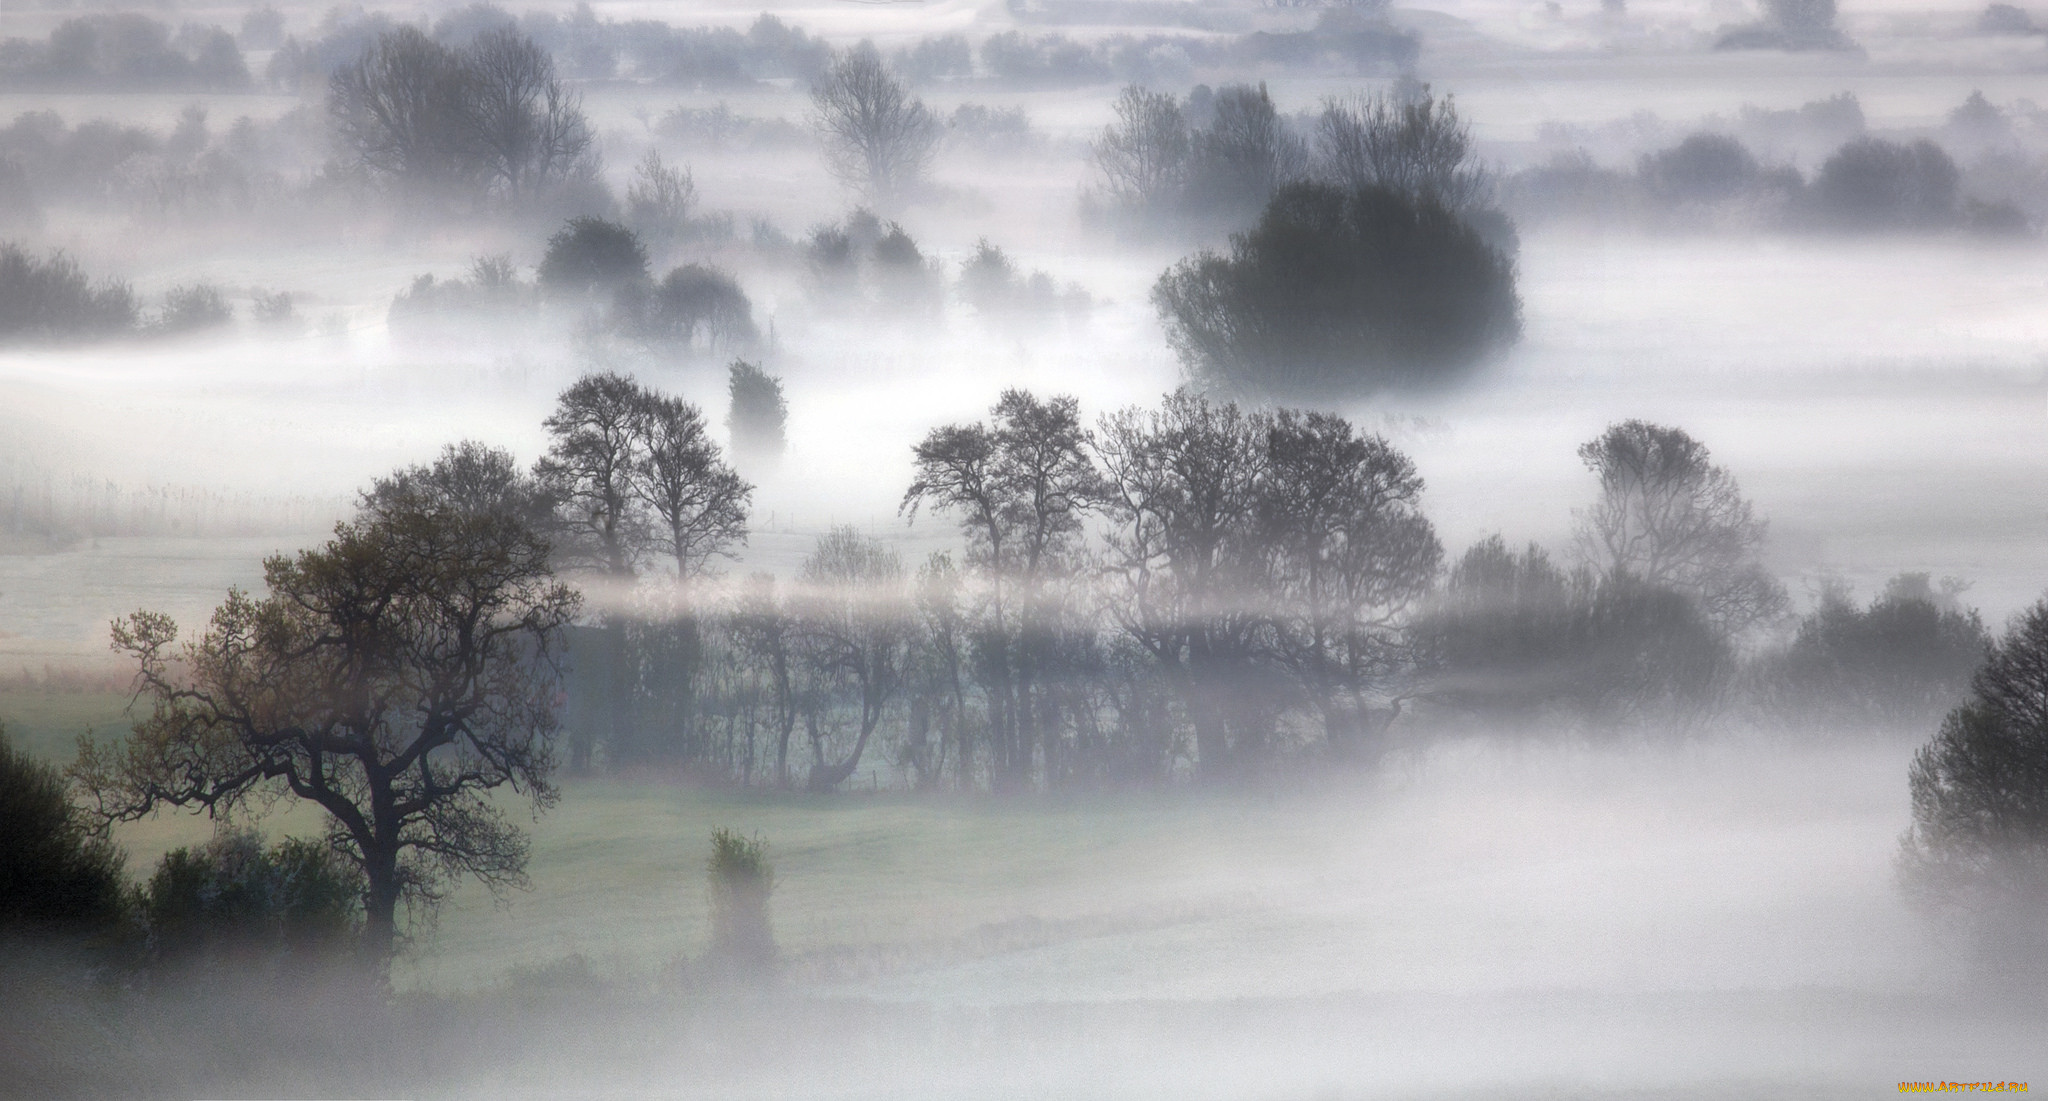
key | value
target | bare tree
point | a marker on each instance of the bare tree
(529, 126)
(878, 139)
(590, 467)
(1181, 495)
(699, 504)
(1669, 518)
(855, 623)
(659, 200)
(492, 120)
(766, 635)
(602, 526)
(399, 111)
(1246, 154)
(1416, 145)
(1352, 555)
(394, 677)
(1143, 155)
(1020, 486)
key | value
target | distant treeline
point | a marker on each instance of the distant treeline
(124, 52)
(1348, 39)
(40, 510)
(1716, 178)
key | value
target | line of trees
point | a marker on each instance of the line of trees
(1192, 590)
(1201, 590)
(1866, 184)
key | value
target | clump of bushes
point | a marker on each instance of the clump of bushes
(603, 266)
(193, 308)
(692, 304)
(235, 896)
(864, 264)
(51, 298)
(1514, 640)
(1789, 25)
(993, 284)
(492, 292)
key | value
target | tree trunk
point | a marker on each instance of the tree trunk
(1212, 748)
(380, 906)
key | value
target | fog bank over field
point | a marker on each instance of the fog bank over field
(1224, 549)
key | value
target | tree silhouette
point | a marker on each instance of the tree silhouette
(395, 678)
(879, 140)
(1339, 292)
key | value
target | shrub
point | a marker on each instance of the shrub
(2005, 19)
(56, 874)
(1514, 640)
(1337, 292)
(193, 308)
(233, 895)
(690, 301)
(493, 292)
(276, 311)
(741, 879)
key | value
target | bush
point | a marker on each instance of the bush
(276, 312)
(1337, 292)
(56, 875)
(492, 293)
(1703, 168)
(689, 302)
(2005, 19)
(235, 896)
(590, 254)
(741, 879)
(51, 299)
(190, 309)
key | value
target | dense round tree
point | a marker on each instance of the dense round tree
(1339, 291)
(1871, 183)
(591, 254)
(1980, 788)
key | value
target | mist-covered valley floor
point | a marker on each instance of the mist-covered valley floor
(1676, 907)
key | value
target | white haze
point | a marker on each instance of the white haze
(1713, 920)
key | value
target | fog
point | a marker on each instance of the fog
(1696, 893)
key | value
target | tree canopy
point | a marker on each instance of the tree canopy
(394, 677)
(1339, 291)
(1980, 787)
